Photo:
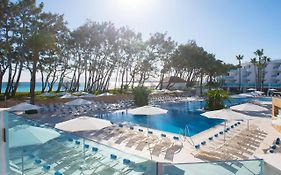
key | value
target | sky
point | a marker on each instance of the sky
(225, 28)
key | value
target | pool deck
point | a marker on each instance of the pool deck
(186, 154)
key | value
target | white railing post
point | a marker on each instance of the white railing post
(4, 150)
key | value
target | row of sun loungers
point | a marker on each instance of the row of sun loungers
(52, 108)
(139, 140)
(165, 99)
(66, 157)
(240, 145)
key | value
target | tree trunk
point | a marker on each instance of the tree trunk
(33, 79)
(201, 84)
(18, 79)
(122, 79)
(1, 81)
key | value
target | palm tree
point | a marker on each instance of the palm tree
(239, 58)
(259, 54)
(254, 63)
(264, 62)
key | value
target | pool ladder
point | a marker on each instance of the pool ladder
(186, 133)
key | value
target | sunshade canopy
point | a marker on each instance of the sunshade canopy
(80, 93)
(24, 107)
(46, 95)
(87, 95)
(251, 89)
(248, 107)
(83, 124)
(68, 96)
(78, 102)
(147, 110)
(226, 114)
(272, 89)
(25, 135)
(105, 94)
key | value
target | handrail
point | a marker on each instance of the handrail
(187, 129)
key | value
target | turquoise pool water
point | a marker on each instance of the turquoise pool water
(179, 116)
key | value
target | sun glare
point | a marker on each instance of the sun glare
(132, 4)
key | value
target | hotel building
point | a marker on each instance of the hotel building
(272, 77)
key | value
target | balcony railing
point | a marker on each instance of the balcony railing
(265, 85)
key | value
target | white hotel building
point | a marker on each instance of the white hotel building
(272, 77)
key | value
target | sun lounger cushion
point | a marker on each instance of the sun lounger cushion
(140, 130)
(57, 173)
(86, 146)
(46, 166)
(70, 139)
(150, 132)
(95, 149)
(210, 138)
(197, 146)
(221, 132)
(113, 156)
(176, 138)
(163, 135)
(77, 142)
(203, 143)
(216, 135)
(37, 161)
(126, 161)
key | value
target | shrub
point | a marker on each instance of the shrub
(141, 96)
(215, 99)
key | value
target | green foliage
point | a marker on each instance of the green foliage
(141, 96)
(215, 99)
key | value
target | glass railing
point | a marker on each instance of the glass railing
(39, 149)
(245, 167)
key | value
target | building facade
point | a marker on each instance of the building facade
(272, 76)
(173, 83)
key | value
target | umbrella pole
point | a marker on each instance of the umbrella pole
(248, 124)
(224, 131)
(84, 147)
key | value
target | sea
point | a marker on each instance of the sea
(25, 86)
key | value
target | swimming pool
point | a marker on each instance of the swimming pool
(179, 116)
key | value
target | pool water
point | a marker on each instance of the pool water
(179, 116)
